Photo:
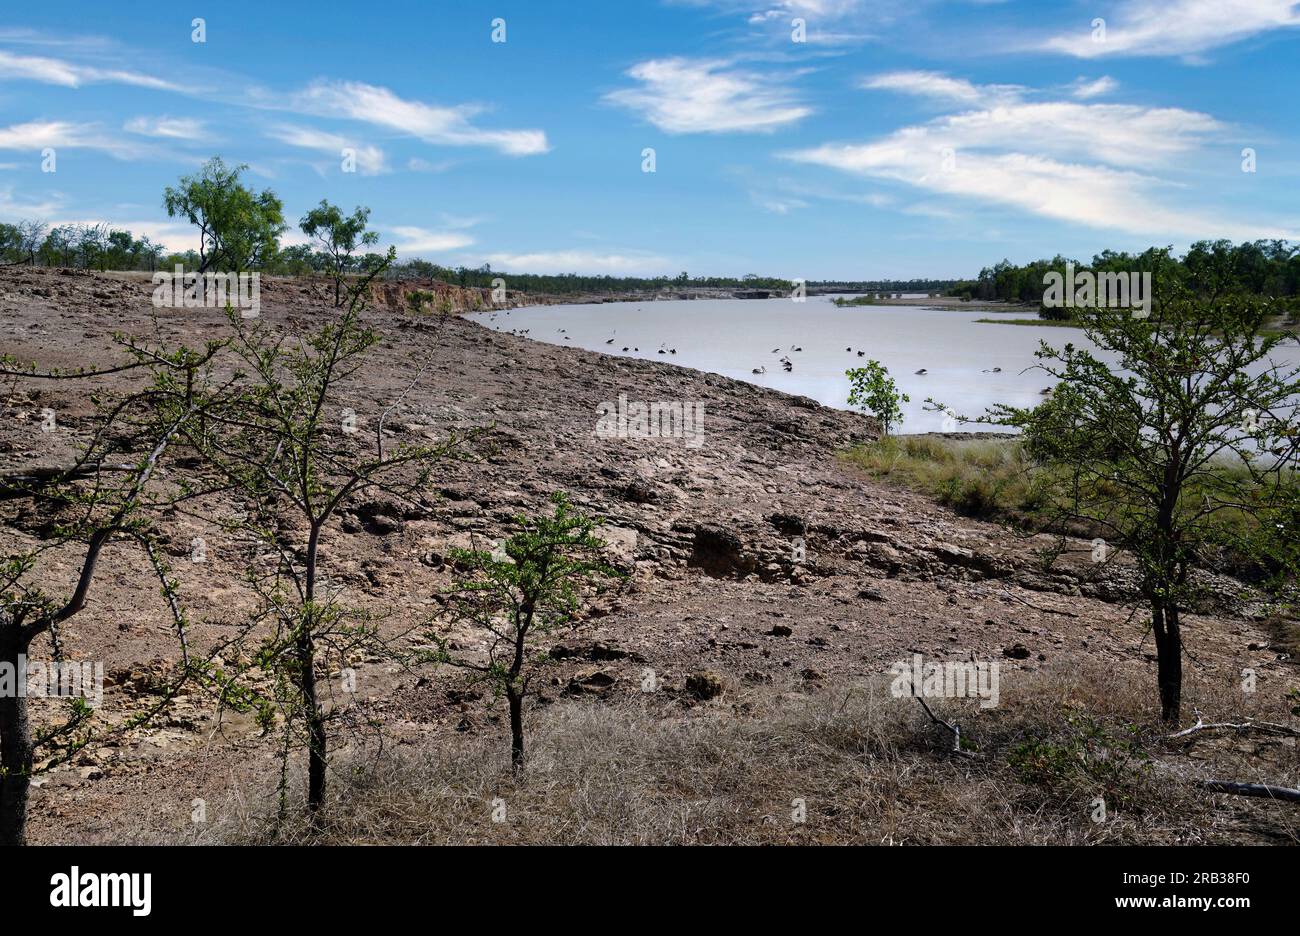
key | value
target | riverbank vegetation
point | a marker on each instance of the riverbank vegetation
(1209, 269)
(1183, 456)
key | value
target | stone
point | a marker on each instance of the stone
(704, 685)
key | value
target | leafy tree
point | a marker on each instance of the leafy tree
(1185, 450)
(239, 229)
(281, 443)
(873, 391)
(10, 244)
(31, 234)
(92, 245)
(96, 501)
(58, 247)
(119, 250)
(339, 236)
(526, 591)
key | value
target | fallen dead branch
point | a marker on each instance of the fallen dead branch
(1262, 790)
(1250, 724)
(951, 726)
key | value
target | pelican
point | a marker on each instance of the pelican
(759, 370)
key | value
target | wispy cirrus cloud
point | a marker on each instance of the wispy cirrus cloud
(72, 75)
(432, 123)
(1102, 165)
(941, 87)
(370, 160)
(1174, 27)
(1086, 90)
(35, 136)
(684, 95)
(169, 128)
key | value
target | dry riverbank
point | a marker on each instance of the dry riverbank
(759, 558)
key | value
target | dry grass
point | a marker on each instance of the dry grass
(868, 768)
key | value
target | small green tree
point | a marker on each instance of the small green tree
(339, 236)
(239, 229)
(279, 442)
(1183, 451)
(529, 589)
(873, 391)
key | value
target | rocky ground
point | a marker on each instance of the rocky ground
(758, 558)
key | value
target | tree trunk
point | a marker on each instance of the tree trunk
(516, 700)
(307, 686)
(316, 746)
(1169, 660)
(15, 749)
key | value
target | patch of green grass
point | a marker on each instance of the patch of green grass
(994, 479)
(978, 478)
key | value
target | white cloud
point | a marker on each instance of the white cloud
(168, 128)
(1176, 27)
(370, 159)
(941, 87)
(443, 126)
(1091, 164)
(70, 75)
(417, 240)
(581, 261)
(681, 95)
(36, 135)
(1086, 90)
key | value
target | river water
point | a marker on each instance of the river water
(968, 365)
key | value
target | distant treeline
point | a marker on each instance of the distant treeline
(576, 284)
(85, 246)
(885, 286)
(1263, 267)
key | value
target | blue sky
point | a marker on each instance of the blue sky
(900, 138)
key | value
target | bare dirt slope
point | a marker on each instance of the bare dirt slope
(707, 534)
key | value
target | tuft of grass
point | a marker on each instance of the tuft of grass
(982, 478)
